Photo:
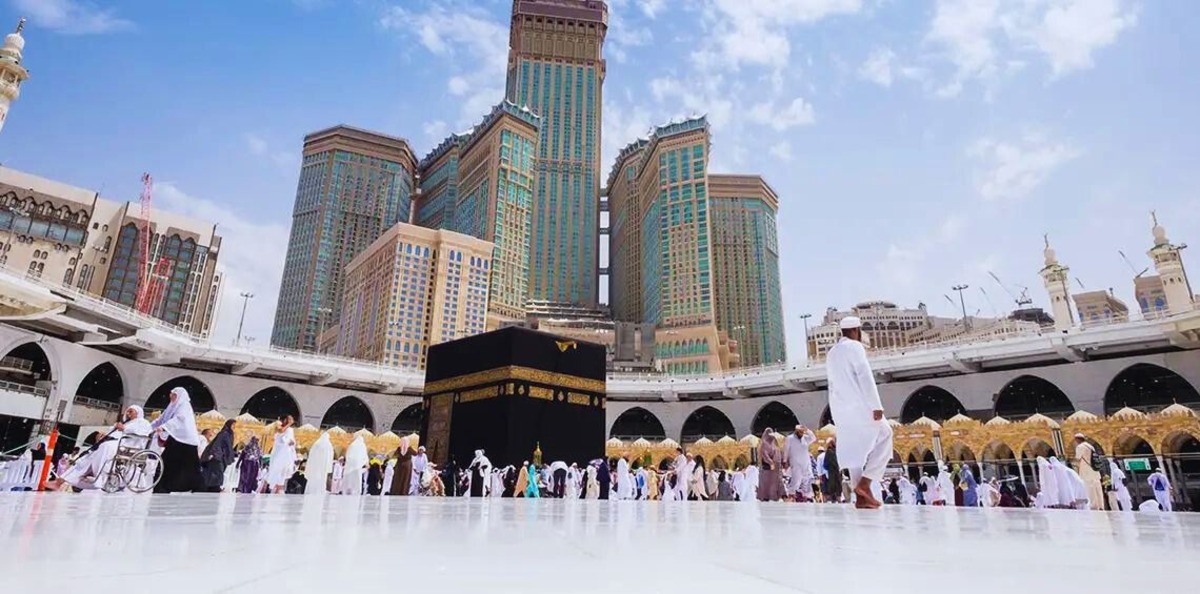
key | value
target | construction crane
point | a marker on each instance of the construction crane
(151, 277)
(1133, 268)
(1022, 301)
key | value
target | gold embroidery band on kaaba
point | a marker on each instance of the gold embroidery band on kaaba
(518, 373)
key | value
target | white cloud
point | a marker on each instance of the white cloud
(652, 8)
(782, 150)
(1070, 31)
(797, 113)
(259, 147)
(878, 67)
(475, 45)
(251, 259)
(1012, 170)
(755, 32)
(984, 40)
(73, 17)
(437, 130)
(905, 263)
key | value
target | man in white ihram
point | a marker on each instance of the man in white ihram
(797, 457)
(864, 438)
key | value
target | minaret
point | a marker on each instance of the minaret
(12, 74)
(1055, 277)
(1168, 262)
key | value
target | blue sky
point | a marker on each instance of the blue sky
(914, 144)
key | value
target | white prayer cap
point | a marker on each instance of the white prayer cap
(799, 427)
(1080, 436)
(850, 323)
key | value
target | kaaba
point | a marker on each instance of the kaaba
(510, 392)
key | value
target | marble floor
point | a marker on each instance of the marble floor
(283, 544)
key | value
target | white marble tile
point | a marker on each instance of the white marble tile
(282, 544)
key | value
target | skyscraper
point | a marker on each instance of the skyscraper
(748, 295)
(412, 288)
(659, 207)
(481, 184)
(556, 67)
(625, 243)
(675, 242)
(495, 202)
(354, 185)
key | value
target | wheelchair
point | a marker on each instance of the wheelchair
(134, 467)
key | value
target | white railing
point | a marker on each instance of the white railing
(22, 388)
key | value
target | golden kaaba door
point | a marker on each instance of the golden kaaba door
(441, 409)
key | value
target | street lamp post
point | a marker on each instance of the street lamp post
(246, 297)
(804, 318)
(962, 302)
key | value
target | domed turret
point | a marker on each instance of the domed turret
(12, 73)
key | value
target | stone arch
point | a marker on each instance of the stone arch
(933, 402)
(1180, 441)
(201, 397)
(1183, 448)
(104, 384)
(719, 463)
(638, 422)
(409, 420)
(29, 364)
(1148, 387)
(269, 404)
(960, 452)
(1035, 447)
(706, 421)
(1029, 394)
(826, 417)
(1133, 444)
(775, 415)
(349, 413)
(741, 462)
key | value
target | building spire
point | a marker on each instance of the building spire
(20, 26)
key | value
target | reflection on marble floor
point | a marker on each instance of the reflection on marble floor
(283, 544)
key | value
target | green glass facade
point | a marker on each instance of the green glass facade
(749, 300)
(557, 69)
(345, 200)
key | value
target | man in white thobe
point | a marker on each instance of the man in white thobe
(420, 461)
(1084, 454)
(798, 459)
(864, 437)
(1119, 496)
(1161, 486)
(682, 475)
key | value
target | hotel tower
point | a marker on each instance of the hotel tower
(556, 68)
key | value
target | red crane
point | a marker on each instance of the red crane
(150, 280)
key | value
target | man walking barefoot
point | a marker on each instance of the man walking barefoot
(864, 437)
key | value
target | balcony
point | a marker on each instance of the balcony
(90, 411)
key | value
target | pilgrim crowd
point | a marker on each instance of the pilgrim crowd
(853, 468)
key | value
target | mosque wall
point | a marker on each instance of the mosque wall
(1083, 383)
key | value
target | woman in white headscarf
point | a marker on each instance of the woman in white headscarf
(283, 455)
(319, 465)
(180, 458)
(1072, 492)
(356, 462)
(1047, 483)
